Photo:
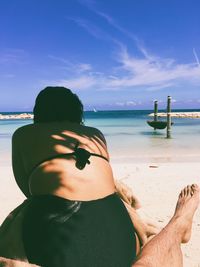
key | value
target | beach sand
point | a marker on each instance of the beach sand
(157, 186)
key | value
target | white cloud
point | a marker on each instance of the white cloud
(77, 83)
(92, 29)
(153, 71)
(196, 57)
(83, 82)
(92, 5)
(127, 103)
(121, 104)
(13, 56)
(159, 87)
(150, 72)
(131, 103)
(72, 66)
(173, 100)
(82, 67)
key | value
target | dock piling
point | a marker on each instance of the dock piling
(169, 117)
(155, 111)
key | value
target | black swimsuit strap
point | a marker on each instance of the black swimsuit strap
(81, 155)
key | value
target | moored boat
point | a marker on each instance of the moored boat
(158, 124)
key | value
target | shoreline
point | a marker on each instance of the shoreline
(176, 113)
(156, 159)
(21, 116)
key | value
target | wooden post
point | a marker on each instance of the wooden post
(155, 110)
(169, 117)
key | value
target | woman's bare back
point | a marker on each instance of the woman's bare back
(35, 173)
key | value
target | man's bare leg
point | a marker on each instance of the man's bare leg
(143, 230)
(164, 250)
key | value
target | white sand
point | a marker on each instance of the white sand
(10, 195)
(157, 188)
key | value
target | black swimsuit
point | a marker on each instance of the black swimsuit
(81, 156)
(59, 232)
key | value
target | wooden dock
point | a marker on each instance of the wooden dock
(190, 115)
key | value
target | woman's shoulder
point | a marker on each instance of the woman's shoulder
(19, 132)
(89, 129)
(94, 132)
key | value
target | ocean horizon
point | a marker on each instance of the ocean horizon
(111, 110)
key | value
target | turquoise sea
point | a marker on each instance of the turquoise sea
(128, 136)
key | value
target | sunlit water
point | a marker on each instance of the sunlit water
(129, 137)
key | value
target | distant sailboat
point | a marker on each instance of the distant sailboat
(94, 110)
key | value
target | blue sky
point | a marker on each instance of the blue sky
(115, 54)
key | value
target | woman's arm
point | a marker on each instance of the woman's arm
(18, 166)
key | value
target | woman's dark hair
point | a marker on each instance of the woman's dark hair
(57, 104)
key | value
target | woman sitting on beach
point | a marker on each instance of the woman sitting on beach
(73, 216)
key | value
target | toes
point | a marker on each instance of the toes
(195, 187)
(189, 190)
(182, 194)
(186, 191)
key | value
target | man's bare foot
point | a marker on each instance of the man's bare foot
(4, 262)
(126, 194)
(187, 204)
